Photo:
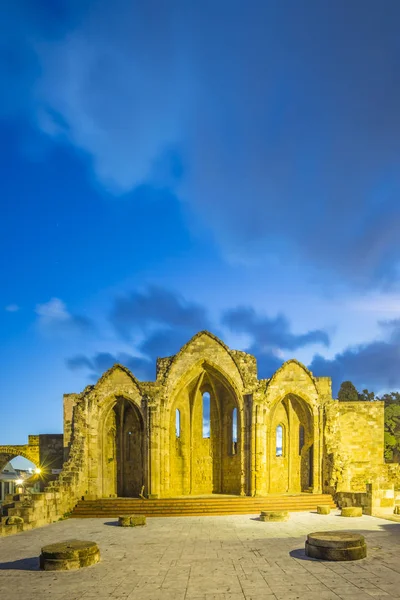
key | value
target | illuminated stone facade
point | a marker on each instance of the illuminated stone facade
(279, 435)
(208, 425)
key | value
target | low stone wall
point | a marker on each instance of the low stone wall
(377, 500)
(59, 497)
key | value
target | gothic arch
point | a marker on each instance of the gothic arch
(196, 464)
(203, 347)
(293, 470)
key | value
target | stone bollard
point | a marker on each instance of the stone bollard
(324, 509)
(132, 520)
(351, 511)
(274, 515)
(69, 555)
(336, 545)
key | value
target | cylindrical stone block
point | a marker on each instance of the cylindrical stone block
(69, 555)
(324, 509)
(336, 545)
(351, 511)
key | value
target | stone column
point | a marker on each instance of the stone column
(243, 443)
(154, 450)
(317, 459)
(290, 440)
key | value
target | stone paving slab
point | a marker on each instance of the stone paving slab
(205, 558)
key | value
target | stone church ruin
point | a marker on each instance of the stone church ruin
(206, 426)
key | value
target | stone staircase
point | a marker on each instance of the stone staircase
(198, 506)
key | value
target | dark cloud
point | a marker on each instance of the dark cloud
(162, 320)
(286, 117)
(269, 337)
(374, 365)
(271, 333)
(142, 368)
(141, 311)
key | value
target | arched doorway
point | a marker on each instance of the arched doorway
(290, 448)
(206, 449)
(123, 450)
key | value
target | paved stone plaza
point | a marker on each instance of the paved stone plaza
(204, 558)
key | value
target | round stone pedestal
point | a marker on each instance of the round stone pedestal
(132, 520)
(69, 555)
(324, 509)
(336, 545)
(351, 511)
(274, 515)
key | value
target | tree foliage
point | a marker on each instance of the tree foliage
(347, 392)
(392, 430)
(367, 396)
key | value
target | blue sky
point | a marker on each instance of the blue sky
(170, 167)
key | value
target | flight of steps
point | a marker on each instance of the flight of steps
(207, 506)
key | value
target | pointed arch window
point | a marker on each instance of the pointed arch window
(279, 441)
(178, 423)
(206, 415)
(234, 431)
(301, 438)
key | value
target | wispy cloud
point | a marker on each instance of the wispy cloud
(54, 318)
(291, 151)
(12, 308)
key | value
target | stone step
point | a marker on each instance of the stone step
(112, 507)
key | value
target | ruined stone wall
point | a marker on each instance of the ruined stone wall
(328, 445)
(354, 444)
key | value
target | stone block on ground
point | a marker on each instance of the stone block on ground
(324, 509)
(69, 555)
(351, 511)
(336, 545)
(274, 515)
(132, 520)
(14, 520)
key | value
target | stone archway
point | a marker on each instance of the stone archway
(30, 452)
(123, 452)
(205, 457)
(291, 465)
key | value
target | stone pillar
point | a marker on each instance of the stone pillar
(252, 429)
(290, 445)
(154, 451)
(259, 451)
(317, 460)
(243, 449)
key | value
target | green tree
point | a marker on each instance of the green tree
(347, 392)
(367, 396)
(391, 398)
(392, 430)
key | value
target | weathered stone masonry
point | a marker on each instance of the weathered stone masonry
(123, 437)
